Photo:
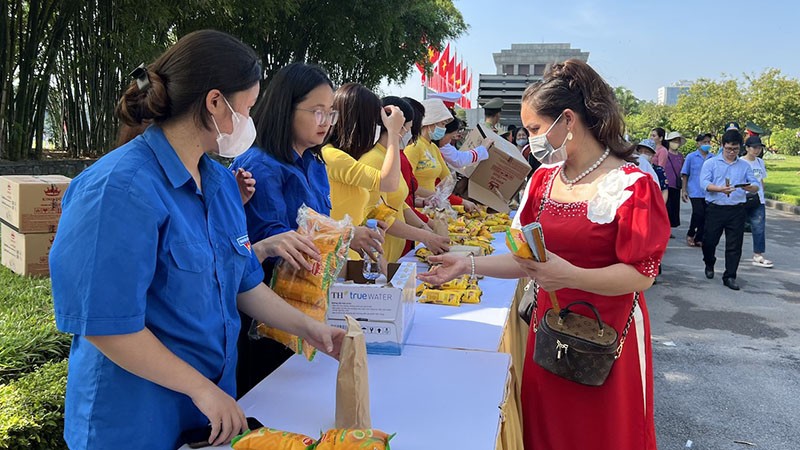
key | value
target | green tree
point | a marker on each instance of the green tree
(773, 100)
(32, 32)
(650, 116)
(708, 106)
(627, 101)
(361, 41)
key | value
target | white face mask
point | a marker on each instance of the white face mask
(404, 139)
(544, 151)
(240, 139)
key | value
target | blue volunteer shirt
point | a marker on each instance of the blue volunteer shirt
(139, 245)
(281, 189)
(716, 170)
(692, 167)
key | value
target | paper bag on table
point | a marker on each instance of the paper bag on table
(439, 226)
(352, 383)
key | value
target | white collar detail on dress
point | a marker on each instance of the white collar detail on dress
(612, 192)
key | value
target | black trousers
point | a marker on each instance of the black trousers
(697, 224)
(674, 207)
(257, 357)
(729, 219)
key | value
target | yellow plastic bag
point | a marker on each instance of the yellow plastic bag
(308, 290)
(271, 439)
(368, 439)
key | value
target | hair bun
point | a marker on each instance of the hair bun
(151, 104)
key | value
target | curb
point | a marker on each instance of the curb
(781, 206)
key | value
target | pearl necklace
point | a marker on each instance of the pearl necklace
(591, 168)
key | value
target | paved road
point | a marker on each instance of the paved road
(727, 363)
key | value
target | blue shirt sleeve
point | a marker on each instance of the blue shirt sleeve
(707, 174)
(266, 211)
(686, 165)
(103, 261)
(253, 274)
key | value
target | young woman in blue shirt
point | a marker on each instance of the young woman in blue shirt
(152, 259)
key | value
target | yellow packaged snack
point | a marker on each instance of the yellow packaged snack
(458, 208)
(368, 439)
(458, 283)
(308, 290)
(441, 297)
(271, 439)
(471, 296)
(423, 254)
(515, 242)
(497, 228)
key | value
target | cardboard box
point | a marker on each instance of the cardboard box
(32, 203)
(26, 254)
(496, 180)
(385, 312)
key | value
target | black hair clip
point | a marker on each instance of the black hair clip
(142, 79)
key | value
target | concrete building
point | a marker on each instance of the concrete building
(668, 95)
(518, 67)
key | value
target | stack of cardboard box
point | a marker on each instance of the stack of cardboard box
(30, 208)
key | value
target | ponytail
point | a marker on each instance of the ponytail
(574, 85)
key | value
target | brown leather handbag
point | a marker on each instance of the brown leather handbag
(576, 347)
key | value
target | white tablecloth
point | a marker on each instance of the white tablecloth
(432, 398)
(469, 327)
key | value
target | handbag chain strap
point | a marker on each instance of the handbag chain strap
(535, 286)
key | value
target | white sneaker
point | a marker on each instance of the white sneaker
(760, 261)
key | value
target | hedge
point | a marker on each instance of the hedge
(28, 334)
(786, 141)
(32, 409)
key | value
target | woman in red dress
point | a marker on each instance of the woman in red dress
(606, 230)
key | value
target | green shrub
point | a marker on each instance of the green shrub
(32, 409)
(786, 141)
(28, 334)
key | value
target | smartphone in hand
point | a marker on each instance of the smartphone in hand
(741, 185)
(198, 437)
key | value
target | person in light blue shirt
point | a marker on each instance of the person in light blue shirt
(152, 259)
(692, 191)
(725, 179)
(754, 207)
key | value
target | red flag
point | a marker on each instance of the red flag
(444, 61)
(451, 71)
(457, 77)
(469, 83)
(464, 78)
(433, 55)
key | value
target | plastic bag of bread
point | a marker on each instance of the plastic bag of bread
(383, 212)
(271, 439)
(308, 290)
(366, 439)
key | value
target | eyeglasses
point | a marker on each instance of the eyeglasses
(323, 117)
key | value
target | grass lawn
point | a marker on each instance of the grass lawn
(783, 178)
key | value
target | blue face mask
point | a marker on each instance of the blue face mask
(437, 133)
(705, 147)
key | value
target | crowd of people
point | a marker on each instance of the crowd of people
(160, 262)
(725, 189)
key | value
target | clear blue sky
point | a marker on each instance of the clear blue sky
(641, 45)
